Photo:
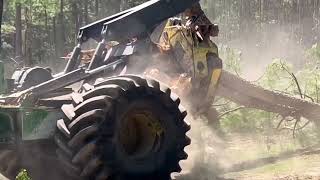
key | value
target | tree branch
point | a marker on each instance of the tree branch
(281, 121)
(309, 97)
(294, 78)
(223, 104)
(295, 127)
(231, 111)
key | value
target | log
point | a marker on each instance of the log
(250, 95)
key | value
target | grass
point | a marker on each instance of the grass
(23, 175)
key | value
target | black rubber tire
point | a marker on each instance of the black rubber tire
(8, 164)
(87, 137)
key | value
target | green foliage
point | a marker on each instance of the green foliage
(23, 175)
(37, 17)
(231, 58)
(7, 29)
(277, 76)
(313, 55)
(47, 32)
(246, 121)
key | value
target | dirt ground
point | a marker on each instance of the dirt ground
(250, 157)
(304, 167)
(296, 168)
(2, 178)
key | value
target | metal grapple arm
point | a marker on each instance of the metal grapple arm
(135, 22)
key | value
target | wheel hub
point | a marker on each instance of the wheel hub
(141, 133)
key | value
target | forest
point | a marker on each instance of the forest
(36, 31)
(273, 43)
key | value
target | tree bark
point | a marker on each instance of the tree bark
(18, 41)
(46, 24)
(28, 38)
(1, 11)
(61, 19)
(54, 29)
(75, 16)
(60, 34)
(80, 13)
(249, 95)
(97, 9)
(86, 12)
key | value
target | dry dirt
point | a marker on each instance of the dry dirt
(249, 157)
(2, 178)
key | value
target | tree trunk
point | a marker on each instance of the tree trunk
(18, 42)
(249, 95)
(61, 19)
(80, 12)
(1, 11)
(28, 38)
(86, 12)
(61, 30)
(97, 9)
(75, 16)
(46, 20)
(54, 28)
(260, 16)
(48, 37)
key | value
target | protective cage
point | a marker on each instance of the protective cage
(126, 127)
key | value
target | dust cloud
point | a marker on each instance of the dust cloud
(259, 49)
(206, 159)
(208, 152)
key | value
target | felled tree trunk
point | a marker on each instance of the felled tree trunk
(249, 95)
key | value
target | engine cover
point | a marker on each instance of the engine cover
(28, 77)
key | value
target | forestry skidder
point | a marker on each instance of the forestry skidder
(96, 121)
(112, 127)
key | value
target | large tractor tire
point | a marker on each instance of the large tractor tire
(8, 164)
(125, 128)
